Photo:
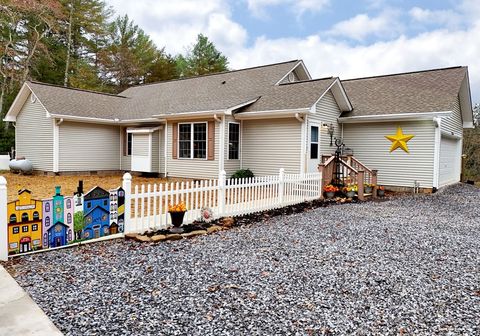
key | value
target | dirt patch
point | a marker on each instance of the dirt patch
(44, 186)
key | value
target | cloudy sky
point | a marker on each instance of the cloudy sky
(334, 37)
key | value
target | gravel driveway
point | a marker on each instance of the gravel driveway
(407, 266)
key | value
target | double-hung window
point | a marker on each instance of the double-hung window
(233, 141)
(192, 140)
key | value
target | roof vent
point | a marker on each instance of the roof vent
(224, 82)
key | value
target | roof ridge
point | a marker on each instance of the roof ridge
(307, 80)
(212, 74)
(404, 73)
(76, 89)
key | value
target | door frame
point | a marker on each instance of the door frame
(318, 125)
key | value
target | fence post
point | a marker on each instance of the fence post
(222, 179)
(321, 169)
(3, 219)
(281, 185)
(361, 185)
(127, 187)
(374, 182)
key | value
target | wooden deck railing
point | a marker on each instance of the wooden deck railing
(352, 172)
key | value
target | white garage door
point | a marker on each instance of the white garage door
(449, 161)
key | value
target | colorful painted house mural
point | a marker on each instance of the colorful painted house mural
(24, 223)
(58, 220)
(117, 210)
(96, 209)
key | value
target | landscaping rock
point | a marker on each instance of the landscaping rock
(408, 265)
(214, 228)
(174, 236)
(228, 222)
(142, 238)
(194, 233)
(130, 236)
(158, 238)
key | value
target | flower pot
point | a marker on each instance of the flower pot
(330, 194)
(177, 220)
(368, 190)
(380, 193)
(350, 194)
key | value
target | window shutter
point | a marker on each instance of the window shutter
(211, 140)
(174, 140)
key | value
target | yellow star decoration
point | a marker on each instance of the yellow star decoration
(399, 140)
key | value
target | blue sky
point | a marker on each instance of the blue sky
(340, 38)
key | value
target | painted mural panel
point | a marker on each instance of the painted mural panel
(62, 220)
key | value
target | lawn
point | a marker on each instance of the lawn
(44, 186)
(406, 266)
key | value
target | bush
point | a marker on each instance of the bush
(243, 173)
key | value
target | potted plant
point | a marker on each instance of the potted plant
(380, 191)
(330, 190)
(350, 190)
(177, 212)
(368, 188)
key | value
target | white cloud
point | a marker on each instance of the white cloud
(449, 18)
(361, 26)
(435, 49)
(176, 24)
(259, 7)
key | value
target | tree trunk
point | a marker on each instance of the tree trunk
(69, 44)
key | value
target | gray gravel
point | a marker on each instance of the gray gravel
(405, 266)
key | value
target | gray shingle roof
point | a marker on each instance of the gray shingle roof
(424, 91)
(414, 92)
(80, 103)
(290, 96)
(205, 93)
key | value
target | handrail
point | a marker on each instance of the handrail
(356, 172)
(349, 167)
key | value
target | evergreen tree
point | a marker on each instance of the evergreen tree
(203, 58)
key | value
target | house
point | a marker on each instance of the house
(96, 213)
(24, 223)
(57, 222)
(408, 126)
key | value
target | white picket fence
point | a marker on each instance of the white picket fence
(147, 206)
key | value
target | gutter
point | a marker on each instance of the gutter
(398, 116)
(296, 113)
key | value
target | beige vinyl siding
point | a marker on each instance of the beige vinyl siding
(326, 112)
(87, 147)
(271, 144)
(34, 135)
(140, 144)
(454, 123)
(193, 168)
(231, 166)
(397, 168)
(126, 162)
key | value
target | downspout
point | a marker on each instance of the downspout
(299, 117)
(436, 158)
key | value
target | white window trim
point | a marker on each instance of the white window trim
(312, 142)
(239, 141)
(191, 141)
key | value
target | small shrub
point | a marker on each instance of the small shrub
(243, 173)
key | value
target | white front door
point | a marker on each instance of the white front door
(313, 148)
(142, 152)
